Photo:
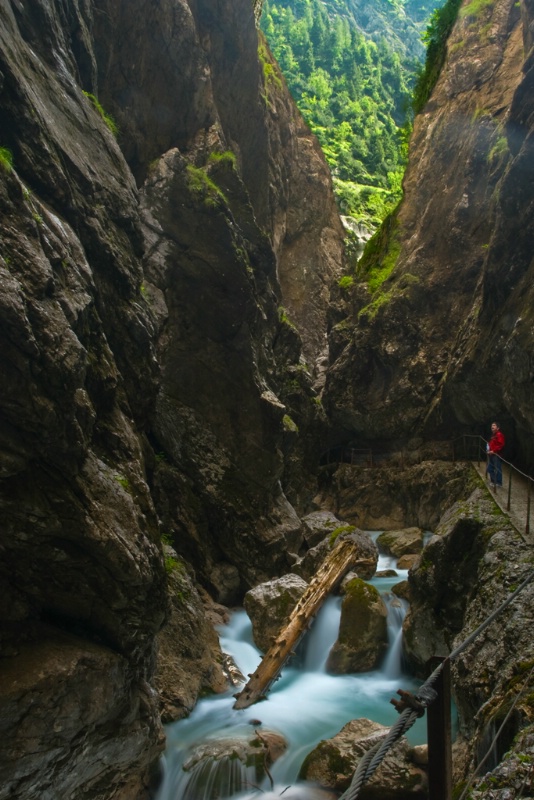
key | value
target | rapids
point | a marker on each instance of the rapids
(305, 705)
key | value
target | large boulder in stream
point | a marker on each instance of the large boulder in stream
(333, 762)
(363, 637)
(269, 606)
(319, 524)
(401, 542)
(367, 550)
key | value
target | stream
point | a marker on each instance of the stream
(305, 705)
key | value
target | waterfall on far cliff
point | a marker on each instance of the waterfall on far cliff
(305, 705)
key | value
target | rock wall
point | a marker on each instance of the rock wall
(470, 567)
(151, 386)
(444, 346)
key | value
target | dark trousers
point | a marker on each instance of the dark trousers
(494, 469)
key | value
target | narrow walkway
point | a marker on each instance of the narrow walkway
(518, 499)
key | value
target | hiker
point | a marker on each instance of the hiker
(494, 447)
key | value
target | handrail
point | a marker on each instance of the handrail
(467, 447)
(424, 697)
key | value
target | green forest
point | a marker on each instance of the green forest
(355, 93)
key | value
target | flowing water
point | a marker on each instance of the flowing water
(305, 705)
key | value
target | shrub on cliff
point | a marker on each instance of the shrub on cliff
(435, 38)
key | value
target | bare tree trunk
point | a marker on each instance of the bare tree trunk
(344, 556)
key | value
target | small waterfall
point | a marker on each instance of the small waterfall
(397, 608)
(217, 778)
(322, 636)
(306, 705)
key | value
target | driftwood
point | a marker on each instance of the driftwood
(343, 557)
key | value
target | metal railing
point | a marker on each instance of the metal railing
(468, 447)
(476, 446)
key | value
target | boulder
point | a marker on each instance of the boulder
(333, 762)
(269, 605)
(400, 542)
(362, 639)
(308, 566)
(318, 525)
(223, 767)
(402, 590)
(196, 666)
(407, 561)
(386, 573)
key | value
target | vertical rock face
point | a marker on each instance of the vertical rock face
(151, 383)
(223, 86)
(445, 345)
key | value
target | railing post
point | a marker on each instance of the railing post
(527, 527)
(439, 738)
(509, 501)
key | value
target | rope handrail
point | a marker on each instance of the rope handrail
(424, 697)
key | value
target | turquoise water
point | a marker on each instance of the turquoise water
(305, 705)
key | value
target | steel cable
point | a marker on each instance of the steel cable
(424, 697)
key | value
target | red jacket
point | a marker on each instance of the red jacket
(496, 443)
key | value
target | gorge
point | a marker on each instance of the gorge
(177, 354)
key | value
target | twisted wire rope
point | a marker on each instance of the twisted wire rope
(495, 738)
(424, 696)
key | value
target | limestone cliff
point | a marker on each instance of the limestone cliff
(152, 384)
(445, 344)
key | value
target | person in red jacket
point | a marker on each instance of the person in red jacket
(494, 447)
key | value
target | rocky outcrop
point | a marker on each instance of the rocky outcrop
(402, 542)
(443, 346)
(269, 606)
(151, 384)
(475, 561)
(224, 86)
(189, 662)
(308, 565)
(389, 498)
(333, 762)
(362, 638)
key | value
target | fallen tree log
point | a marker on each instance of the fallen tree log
(349, 552)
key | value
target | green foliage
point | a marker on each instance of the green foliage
(270, 77)
(499, 148)
(171, 563)
(124, 482)
(435, 38)
(354, 94)
(475, 8)
(345, 282)
(283, 317)
(380, 299)
(226, 158)
(339, 531)
(289, 425)
(200, 183)
(108, 119)
(6, 159)
(380, 254)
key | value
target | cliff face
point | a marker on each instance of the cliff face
(151, 384)
(446, 344)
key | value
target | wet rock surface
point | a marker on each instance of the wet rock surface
(333, 762)
(269, 606)
(362, 638)
(461, 283)
(151, 386)
(401, 542)
(473, 564)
